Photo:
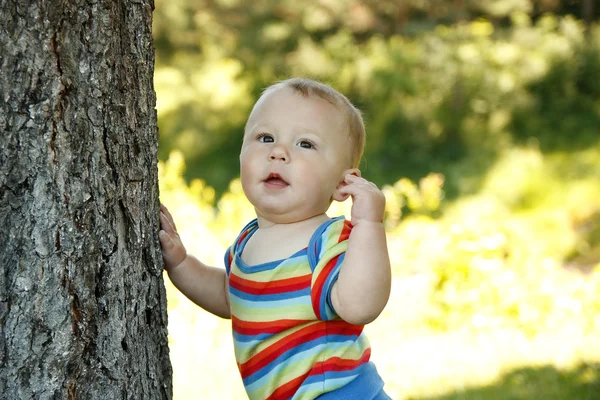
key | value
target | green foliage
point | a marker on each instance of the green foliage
(407, 198)
(449, 98)
(521, 257)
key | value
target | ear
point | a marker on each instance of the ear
(337, 196)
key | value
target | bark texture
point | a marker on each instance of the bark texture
(82, 301)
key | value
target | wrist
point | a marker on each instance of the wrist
(367, 222)
(171, 265)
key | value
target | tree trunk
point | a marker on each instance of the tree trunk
(82, 302)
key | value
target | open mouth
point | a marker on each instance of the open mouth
(275, 180)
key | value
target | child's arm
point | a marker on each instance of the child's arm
(364, 283)
(206, 286)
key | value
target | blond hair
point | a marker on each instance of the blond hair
(352, 115)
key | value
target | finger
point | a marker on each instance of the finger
(165, 240)
(164, 222)
(355, 180)
(360, 188)
(165, 210)
(352, 189)
(170, 217)
(167, 224)
(352, 179)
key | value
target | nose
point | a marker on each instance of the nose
(279, 153)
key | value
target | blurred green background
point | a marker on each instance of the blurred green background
(483, 123)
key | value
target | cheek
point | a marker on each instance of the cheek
(320, 179)
(247, 159)
(246, 181)
(246, 171)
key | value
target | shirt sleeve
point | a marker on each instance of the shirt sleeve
(242, 237)
(327, 249)
(228, 259)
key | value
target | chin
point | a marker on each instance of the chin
(279, 215)
(272, 211)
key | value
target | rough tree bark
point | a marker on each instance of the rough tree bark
(82, 302)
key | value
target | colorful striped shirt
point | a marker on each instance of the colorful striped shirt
(289, 342)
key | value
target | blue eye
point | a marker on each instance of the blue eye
(265, 138)
(306, 144)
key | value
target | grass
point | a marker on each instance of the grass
(545, 382)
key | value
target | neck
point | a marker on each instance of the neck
(276, 223)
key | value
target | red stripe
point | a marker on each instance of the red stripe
(242, 236)
(345, 234)
(271, 353)
(304, 335)
(254, 328)
(339, 364)
(271, 290)
(317, 291)
(272, 287)
(287, 390)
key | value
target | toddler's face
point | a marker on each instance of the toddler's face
(295, 153)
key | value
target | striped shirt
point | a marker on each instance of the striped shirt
(289, 342)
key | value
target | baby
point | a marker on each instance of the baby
(298, 286)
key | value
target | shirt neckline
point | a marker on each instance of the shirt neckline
(252, 227)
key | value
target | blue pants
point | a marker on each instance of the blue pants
(367, 386)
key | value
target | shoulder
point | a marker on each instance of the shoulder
(240, 241)
(245, 234)
(328, 235)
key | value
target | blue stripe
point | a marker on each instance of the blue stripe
(247, 345)
(226, 261)
(331, 375)
(367, 385)
(270, 297)
(315, 245)
(326, 311)
(299, 357)
(318, 342)
(248, 338)
(296, 258)
(332, 342)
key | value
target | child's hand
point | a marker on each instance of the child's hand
(368, 202)
(173, 251)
